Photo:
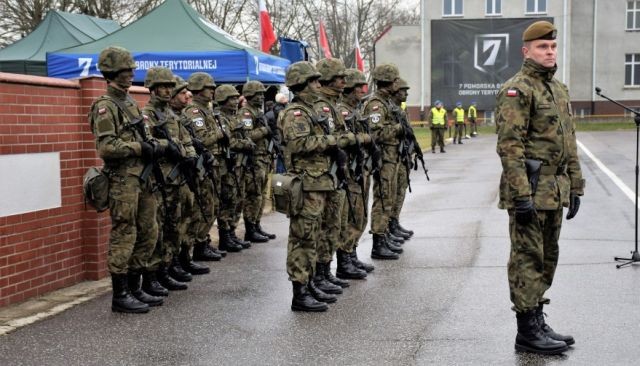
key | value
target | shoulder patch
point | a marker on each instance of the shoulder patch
(375, 117)
(326, 109)
(375, 107)
(247, 114)
(198, 122)
(145, 117)
(102, 110)
(345, 113)
(248, 122)
(512, 93)
(297, 113)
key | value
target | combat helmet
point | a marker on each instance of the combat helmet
(200, 80)
(179, 85)
(252, 87)
(330, 68)
(113, 59)
(300, 72)
(402, 84)
(385, 72)
(157, 76)
(353, 78)
(224, 92)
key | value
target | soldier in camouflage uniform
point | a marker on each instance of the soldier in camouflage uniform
(387, 132)
(239, 149)
(126, 150)
(210, 133)
(534, 115)
(307, 150)
(255, 176)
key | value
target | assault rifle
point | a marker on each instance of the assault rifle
(204, 165)
(357, 166)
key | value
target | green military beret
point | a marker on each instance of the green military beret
(539, 30)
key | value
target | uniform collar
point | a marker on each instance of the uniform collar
(533, 68)
(157, 103)
(329, 93)
(383, 93)
(116, 93)
(350, 100)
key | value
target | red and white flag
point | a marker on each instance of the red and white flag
(359, 60)
(267, 36)
(324, 42)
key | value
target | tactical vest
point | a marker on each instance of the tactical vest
(472, 112)
(315, 164)
(438, 116)
(459, 115)
(250, 121)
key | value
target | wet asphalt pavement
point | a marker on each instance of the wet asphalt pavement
(445, 302)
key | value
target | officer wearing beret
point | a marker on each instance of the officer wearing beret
(536, 138)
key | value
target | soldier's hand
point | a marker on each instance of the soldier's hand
(250, 146)
(146, 152)
(399, 129)
(267, 131)
(574, 206)
(172, 153)
(525, 211)
(341, 158)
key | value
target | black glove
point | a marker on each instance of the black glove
(341, 157)
(146, 152)
(268, 131)
(198, 145)
(574, 206)
(172, 153)
(189, 163)
(251, 146)
(376, 155)
(525, 211)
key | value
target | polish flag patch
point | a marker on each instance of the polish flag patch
(512, 93)
(297, 113)
(195, 110)
(326, 109)
(247, 114)
(102, 110)
(375, 108)
(345, 113)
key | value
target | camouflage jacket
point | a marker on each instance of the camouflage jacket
(326, 105)
(306, 144)
(534, 116)
(349, 110)
(252, 120)
(205, 125)
(385, 129)
(239, 143)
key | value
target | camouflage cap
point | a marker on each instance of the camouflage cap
(252, 87)
(385, 72)
(158, 75)
(180, 84)
(224, 92)
(539, 30)
(200, 80)
(353, 78)
(402, 84)
(299, 73)
(114, 59)
(330, 68)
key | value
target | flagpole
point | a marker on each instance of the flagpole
(259, 27)
(423, 15)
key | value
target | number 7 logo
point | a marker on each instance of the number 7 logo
(491, 52)
(85, 64)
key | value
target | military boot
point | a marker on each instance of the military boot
(396, 239)
(322, 283)
(190, 266)
(346, 269)
(243, 243)
(379, 249)
(167, 281)
(406, 231)
(133, 280)
(226, 243)
(303, 301)
(356, 262)
(151, 285)
(433, 150)
(176, 271)
(442, 150)
(392, 245)
(531, 338)
(122, 301)
(203, 252)
(264, 233)
(393, 229)
(333, 279)
(546, 329)
(319, 294)
(251, 233)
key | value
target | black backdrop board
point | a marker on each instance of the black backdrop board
(470, 59)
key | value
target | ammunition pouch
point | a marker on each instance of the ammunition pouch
(287, 193)
(534, 168)
(95, 186)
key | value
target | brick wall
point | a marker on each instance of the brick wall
(48, 249)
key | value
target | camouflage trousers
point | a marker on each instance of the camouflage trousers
(256, 186)
(459, 132)
(331, 224)
(533, 259)
(172, 224)
(437, 137)
(383, 206)
(352, 230)
(231, 199)
(134, 230)
(403, 184)
(304, 233)
(199, 226)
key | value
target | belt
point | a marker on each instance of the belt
(553, 170)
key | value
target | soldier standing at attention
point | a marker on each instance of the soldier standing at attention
(534, 115)
(255, 176)
(386, 132)
(124, 143)
(438, 122)
(458, 114)
(472, 114)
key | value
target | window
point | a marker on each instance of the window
(632, 69)
(494, 7)
(535, 6)
(452, 8)
(633, 15)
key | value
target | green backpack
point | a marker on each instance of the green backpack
(95, 186)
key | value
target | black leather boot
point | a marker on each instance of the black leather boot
(303, 301)
(396, 239)
(442, 150)
(379, 249)
(395, 230)
(135, 286)
(202, 252)
(259, 227)
(531, 338)
(122, 301)
(190, 266)
(151, 285)
(546, 329)
(406, 231)
(218, 251)
(167, 281)
(346, 269)
(393, 245)
(333, 279)
(356, 262)
(319, 294)
(227, 243)
(176, 271)
(251, 233)
(243, 243)
(321, 282)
